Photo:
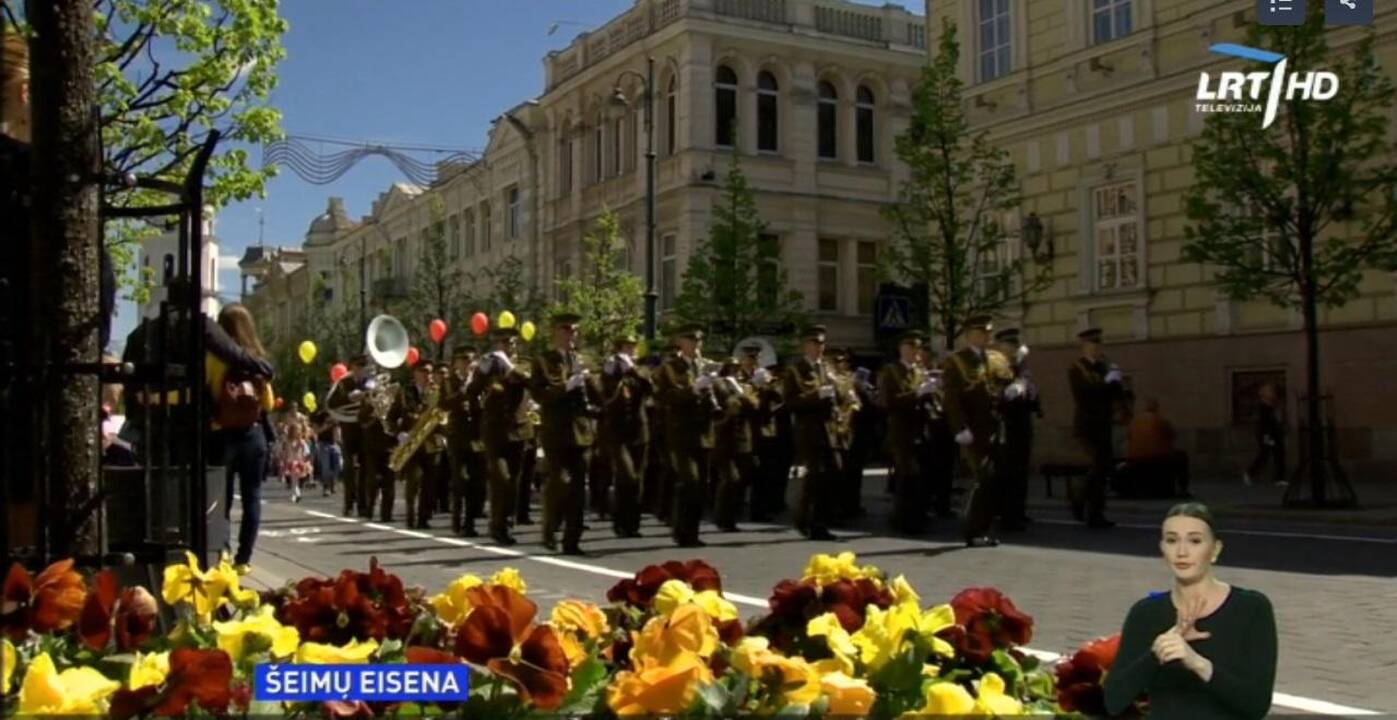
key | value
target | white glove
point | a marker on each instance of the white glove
(732, 383)
(965, 437)
(576, 380)
(402, 438)
(627, 362)
(1114, 376)
(1022, 354)
(826, 392)
(703, 382)
(926, 388)
(609, 367)
(1014, 390)
(761, 377)
(501, 361)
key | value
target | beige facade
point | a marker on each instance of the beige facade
(1097, 108)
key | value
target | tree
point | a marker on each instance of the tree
(606, 294)
(735, 285)
(436, 284)
(509, 290)
(1294, 214)
(946, 224)
(63, 235)
(167, 72)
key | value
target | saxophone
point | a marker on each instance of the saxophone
(432, 418)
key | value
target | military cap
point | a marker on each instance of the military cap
(625, 339)
(359, 360)
(463, 352)
(980, 322)
(751, 349)
(500, 333)
(912, 336)
(565, 318)
(837, 353)
(1009, 336)
(813, 332)
(1090, 335)
(424, 365)
(692, 331)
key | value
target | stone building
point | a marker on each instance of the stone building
(1096, 104)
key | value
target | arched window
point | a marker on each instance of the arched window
(598, 143)
(863, 121)
(767, 121)
(828, 121)
(618, 133)
(725, 106)
(671, 116)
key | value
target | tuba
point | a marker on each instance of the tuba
(387, 343)
(432, 418)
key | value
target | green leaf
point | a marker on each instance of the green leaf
(902, 673)
(589, 679)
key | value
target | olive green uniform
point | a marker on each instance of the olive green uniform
(566, 436)
(815, 436)
(465, 453)
(624, 437)
(975, 382)
(732, 462)
(342, 399)
(688, 438)
(898, 392)
(500, 395)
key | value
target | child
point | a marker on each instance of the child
(295, 459)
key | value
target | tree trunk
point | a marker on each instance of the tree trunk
(1315, 440)
(64, 234)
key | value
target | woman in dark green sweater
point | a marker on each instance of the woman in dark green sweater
(1203, 650)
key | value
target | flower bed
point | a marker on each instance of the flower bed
(843, 639)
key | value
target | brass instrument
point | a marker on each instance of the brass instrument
(846, 401)
(379, 392)
(431, 419)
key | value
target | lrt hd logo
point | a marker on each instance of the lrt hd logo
(1249, 92)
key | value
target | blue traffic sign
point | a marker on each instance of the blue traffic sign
(894, 312)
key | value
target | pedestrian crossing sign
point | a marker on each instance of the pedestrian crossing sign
(894, 313)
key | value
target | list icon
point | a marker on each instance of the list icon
(1348, 12)
(1280, 12)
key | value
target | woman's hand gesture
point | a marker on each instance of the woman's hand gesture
(1173, 644)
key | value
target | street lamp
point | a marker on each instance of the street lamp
(618, 98)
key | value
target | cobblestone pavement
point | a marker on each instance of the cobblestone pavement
(1333, 588)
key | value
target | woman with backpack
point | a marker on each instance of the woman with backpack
(240, 419)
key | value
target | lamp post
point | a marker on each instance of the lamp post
(619, 98)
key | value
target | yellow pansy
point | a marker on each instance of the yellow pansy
(206, 591)
(148, 670)
(800, 680)
(8, 659)
(825, 569)
(510, 578)
(452, 606)
(848, 696)
(75, 691)
(572, 648)
(884, 631)
(992, 699)
(582, 618)
(674, 593)
(181, 581)
(354, 653)
(655, 688)
(688, 630)
(262, 629)
(903, 592)
(946, 699)
(828, 627)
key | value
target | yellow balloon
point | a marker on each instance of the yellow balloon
(306, 351)
(642, 349)
(309, 401)
(527, 331)
(506, 320)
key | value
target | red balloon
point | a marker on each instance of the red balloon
(337, 372)
(437, 329)
(480, 322)
(413, 356)
(280, 402)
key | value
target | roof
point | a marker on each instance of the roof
(331, 222)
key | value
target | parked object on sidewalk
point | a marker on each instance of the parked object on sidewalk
(1154, 467)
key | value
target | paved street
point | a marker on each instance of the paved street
(1333, 588)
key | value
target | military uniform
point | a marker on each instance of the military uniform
(812, 399)
(427, 468)
(764, 481)
(865, 428)
(343, 405)
(1096, 388)
(902, 391)
(498, 388)
(732, 463)
(689, 413)
(464, 447)
(375, 479)
(975, 381)
(623, 436)
(843, 496)
(563, 389)
(1020, 405)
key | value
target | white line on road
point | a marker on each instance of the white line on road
(1285, 700)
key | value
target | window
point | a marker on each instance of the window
(671, 117)
(668, 270)
(725, 106)
(1269, 249)
(1115, 215)
(995, 43)
(516, 212)
(767, 121)
(863, 119)
(637, 137)
(468, 225)
(827, 268)
(993, 282)
(617, 133)
(867, 275)
(565, 165)
(455, 236)
(485, 227)
(769, 273)
(828, 121)
(597, 144)
(562, 270)
(1110, 20)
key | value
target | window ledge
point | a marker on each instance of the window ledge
(1095, 299)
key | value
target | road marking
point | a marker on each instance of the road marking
(1257, 533)
(1285, 700)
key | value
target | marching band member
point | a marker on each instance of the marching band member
(498, 388)
(624, 433)
(975, 378)
(1019, 406)
(562, 387)
(690, 406)
(1097, 385)
(812, 397)
(903, 387)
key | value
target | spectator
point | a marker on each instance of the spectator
(1270, 437)
(245, 447)
(1153, 465)
(295, 458)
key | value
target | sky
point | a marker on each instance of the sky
(410, 72)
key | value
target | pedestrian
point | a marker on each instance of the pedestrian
(244, 443)
(975, 380)
(813, 401)
(1270, 437)
(295, 458)
(1097, 388)
(1204, 649)
(1154, 467)
(1019, 407)
(333, 461)
(566, 394)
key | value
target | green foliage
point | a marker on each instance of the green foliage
(511, 290)
(436, 289)
(735, 284)
(946, 230)
(606, 294)
(1309, 202)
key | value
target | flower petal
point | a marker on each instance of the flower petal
(544, 689)
(519, 611)
(58, 597)
(485, 635)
